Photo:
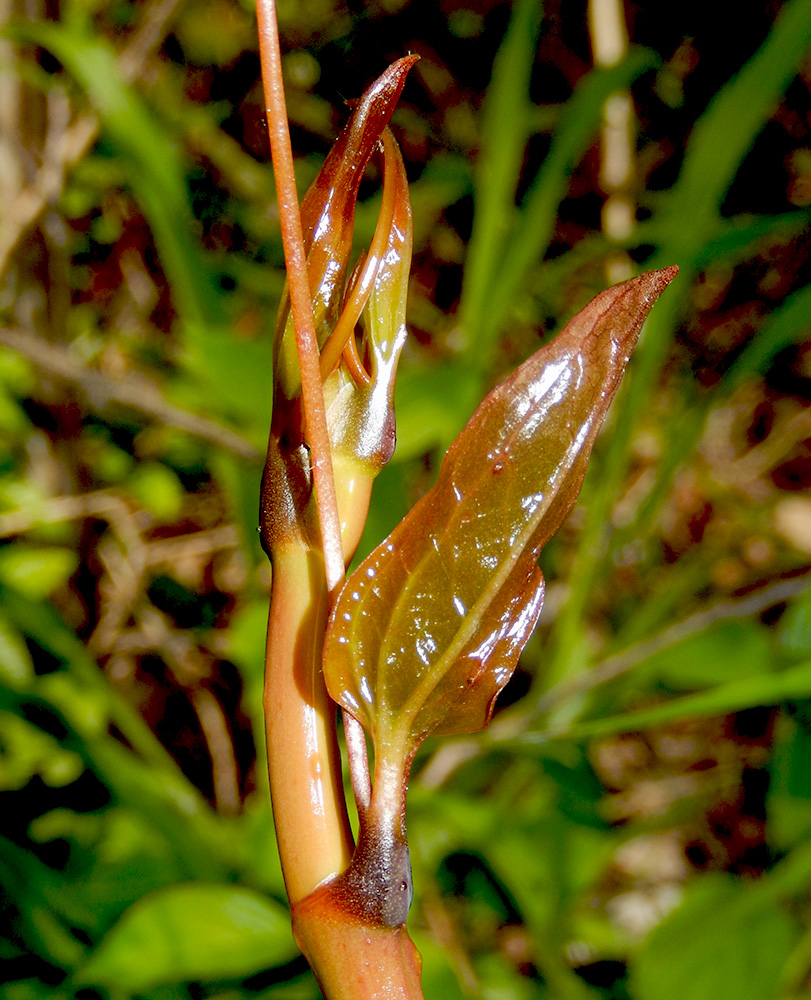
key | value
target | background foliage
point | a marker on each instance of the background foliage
(637, 822)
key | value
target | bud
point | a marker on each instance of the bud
(358, 372)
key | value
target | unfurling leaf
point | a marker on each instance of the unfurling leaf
(328, 218)
(357, 373)
(429, 628)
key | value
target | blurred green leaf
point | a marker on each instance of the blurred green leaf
(429, 401)
(794, 627)
(760, 689)
(736, 238)
(786, 325)
(438, 979)
(26, 751)
(580, 791)
(85, 708)
(158, 490)
(726, 651)
(789, 799)
(31, 989)
(36, 572)
(16, 372)
(237, 373)
(16, 666)
(188, 932)
(13, 420)
(722, 943)
(116, 857)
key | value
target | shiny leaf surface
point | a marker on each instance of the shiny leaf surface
(429, 628)
(360, 404)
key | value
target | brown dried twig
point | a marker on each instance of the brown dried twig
(68, 142)
(134, 391)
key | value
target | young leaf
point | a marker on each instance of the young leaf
(358, 385)
(360, 403)
(328, 216)
(429, 628)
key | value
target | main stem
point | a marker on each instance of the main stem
(300, 301)
(309, 810)
(312, 829)
(355, 955)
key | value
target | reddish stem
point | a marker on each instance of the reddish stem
(300, 300)
(358, 762)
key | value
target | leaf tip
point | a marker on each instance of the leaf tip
(661, 279)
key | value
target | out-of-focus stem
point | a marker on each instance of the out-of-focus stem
(312, 829)
(609, 44)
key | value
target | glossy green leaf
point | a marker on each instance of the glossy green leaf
(428, 629)
(189, 932)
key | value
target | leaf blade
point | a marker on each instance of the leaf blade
(191, 931)
(429, 628)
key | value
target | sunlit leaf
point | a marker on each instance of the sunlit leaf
(429, 628)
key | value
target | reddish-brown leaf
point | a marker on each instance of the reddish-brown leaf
(429, 628)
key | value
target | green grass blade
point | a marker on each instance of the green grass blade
(579, 123)
(748, 692)
(505, 130)
(725, 132)
(787, 325)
